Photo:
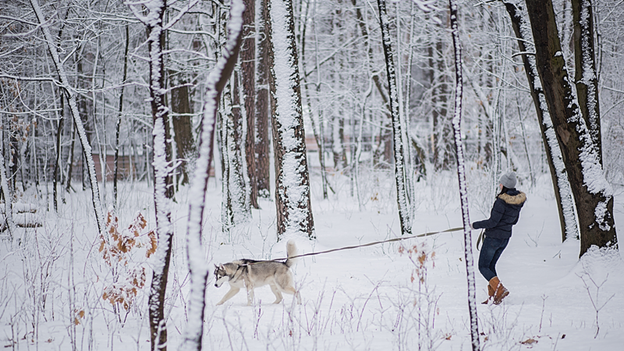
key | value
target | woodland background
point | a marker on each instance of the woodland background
(121, 94)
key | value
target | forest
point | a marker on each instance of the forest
(146, 141)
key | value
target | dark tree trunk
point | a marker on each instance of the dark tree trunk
(182, 127)
(338, 147)
(594, 201)
(248, 71)
(561, 185)
(70, 159)
(585, 69)
(442, 148)
(57, 163)
(118, 125)
(83, 109)
(263, 107)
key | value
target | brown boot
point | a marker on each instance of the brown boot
(500, 292)
(490, 295)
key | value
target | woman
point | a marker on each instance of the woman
(504, 215)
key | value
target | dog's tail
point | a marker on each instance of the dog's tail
(291, 250)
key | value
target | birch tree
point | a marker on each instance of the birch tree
(292, 184)
(198, 266)
(397, 133)
(461, 175)
(592, 193)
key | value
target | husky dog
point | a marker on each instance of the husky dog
(251, 273)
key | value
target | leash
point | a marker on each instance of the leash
(480, 240)
(372, 243)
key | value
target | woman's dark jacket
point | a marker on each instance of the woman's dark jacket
(504, 215)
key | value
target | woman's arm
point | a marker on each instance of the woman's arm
(495, 216)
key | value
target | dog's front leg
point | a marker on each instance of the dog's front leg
(250, 295)
(233, 291)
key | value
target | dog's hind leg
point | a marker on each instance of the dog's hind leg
(291, 290)
(233, 291)
(277, 293)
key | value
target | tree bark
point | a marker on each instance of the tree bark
(461, 175)
(263, 104)
(235, 207)
(163, 187)
(397, 135)
(118, 124)
(592, 193)
(57, 163)
(559, 176)
(182, 127)
(585, 69)
(4, 186)
(292, 184)
(248, 72)
(195, 249)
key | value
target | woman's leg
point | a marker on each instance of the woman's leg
(490, 253)
(488, 250)
(502, 244)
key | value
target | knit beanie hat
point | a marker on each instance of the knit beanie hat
(508, 180)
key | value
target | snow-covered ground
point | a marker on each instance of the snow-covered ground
(375, 298)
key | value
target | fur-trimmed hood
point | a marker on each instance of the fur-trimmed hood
(517, 199)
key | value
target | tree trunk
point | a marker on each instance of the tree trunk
(248, 72)
(561, 185)
(182, 126)
(442, 129)
(461, 175)
(57, 163)
(71, 97)
(118, 125)
(4, 186)
(592, 193)
(163, 187)
(235, 207)
(262, 108)
(70, 158)
(585, 69)
(292, 184)
(195, 249)
(397, 134)
(83, 111)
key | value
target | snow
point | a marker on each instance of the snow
(357, 299)
(292, 186)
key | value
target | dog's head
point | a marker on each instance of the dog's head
(221, 275)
